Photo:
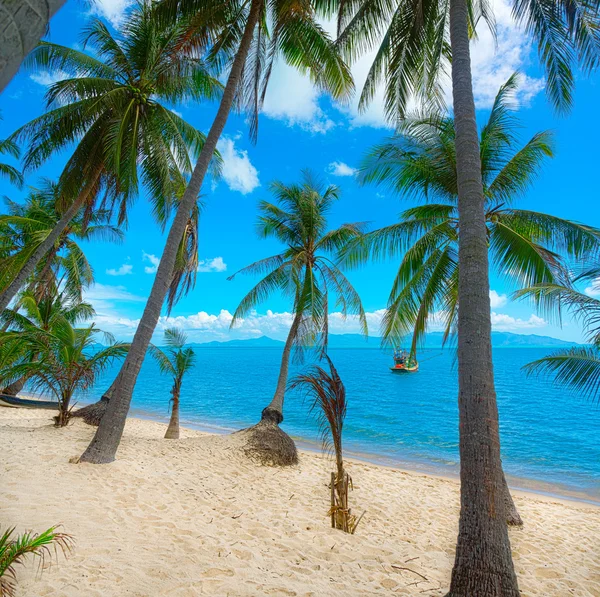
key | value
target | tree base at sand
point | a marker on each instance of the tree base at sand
(92, 413)
(267, 444)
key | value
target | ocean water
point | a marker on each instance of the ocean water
(550, 438)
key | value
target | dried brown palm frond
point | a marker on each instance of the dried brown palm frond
(329, 401)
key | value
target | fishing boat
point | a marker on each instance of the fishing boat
(14, 402)
(404, 362)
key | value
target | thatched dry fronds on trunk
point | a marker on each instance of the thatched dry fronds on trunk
(329, 399)
(267, 444)
(92, 413)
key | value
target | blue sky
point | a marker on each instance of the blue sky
(302, 129)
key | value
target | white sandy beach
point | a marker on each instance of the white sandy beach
(194, 517)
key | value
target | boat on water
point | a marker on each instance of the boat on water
(404, 362)
(14, 402)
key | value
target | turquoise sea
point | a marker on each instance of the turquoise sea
(550, 439)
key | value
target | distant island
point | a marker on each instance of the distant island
(432, 340)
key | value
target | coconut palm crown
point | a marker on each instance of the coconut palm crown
(526, 247)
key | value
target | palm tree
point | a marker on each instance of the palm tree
(577, 368)
(69, 361)
(8, 147)
(35, 314)
(26, 224)
(113, 105)
(307, 273)
(24, 25)
(253, 33)
(176, 361)
(526, 247)
(417, 44)
(14, 549)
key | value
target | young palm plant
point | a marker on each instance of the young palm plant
(577, 368)
(14, 550)
(26, 224)
(417, 44)
(33, 314)
(112, 105)
(175, 361)
(306, 273)
(69, 361)
(329, 401)
(249, 36)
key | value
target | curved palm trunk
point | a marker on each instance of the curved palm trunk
(274, 412)
(104, 445)
(483, 566)
(15, 387)
(173, 428)
(45, 246)
(22, 25)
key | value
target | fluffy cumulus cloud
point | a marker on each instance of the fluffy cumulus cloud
(153, 260)
(216, 264)
(291, 97)
(506, 323)
(497, 300)
(341, 169)
(238, 172)
(125, 270)
(111, 10)
(45, 78)
(593, 289)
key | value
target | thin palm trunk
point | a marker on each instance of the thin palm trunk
(22, 25)
(483, 566)
(173, 428)
(46, 245)
(274, 412)
(105, 443)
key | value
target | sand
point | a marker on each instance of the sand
(193, 517)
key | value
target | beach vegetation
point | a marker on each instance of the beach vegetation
(174, 360)
(14, 549)
(306, 273)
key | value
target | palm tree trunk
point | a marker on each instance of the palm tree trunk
(274, 412)
(22, 25)
(173, 428)
(15, 387)
(104, 445)
(45, 245)
(483, 566)
(511, 514)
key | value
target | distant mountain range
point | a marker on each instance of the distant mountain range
(432, 340)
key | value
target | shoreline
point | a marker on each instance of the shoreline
(521, 485)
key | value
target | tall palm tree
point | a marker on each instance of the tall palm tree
(253, 34)
(420, 162)
(307, 273)
(417, 43)
(175, 361)
(8, 147)
(526, 247)
(577, 368)
(113, 105)
(37, 313)
(26, 224)
(24, 24)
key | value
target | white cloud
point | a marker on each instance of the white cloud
(238, 172)
(46, 78)
(124, 270)
(292, 97)
(212, 265)
(503, 322)
(497, 300)
(594, 289)
(341, 169)
(112, 10)
(153, 259)
(177, 113)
